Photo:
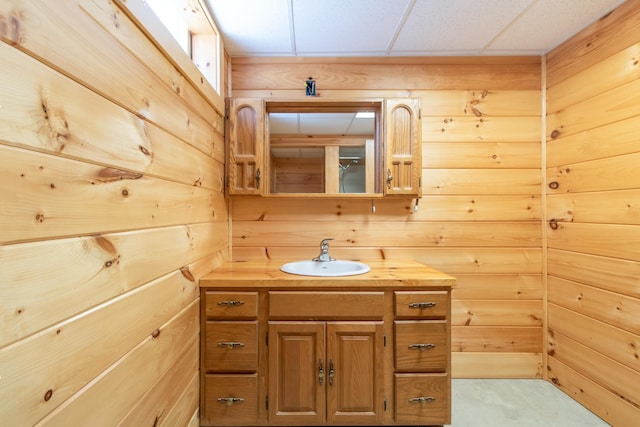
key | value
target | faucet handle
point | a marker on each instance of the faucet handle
(325, 242)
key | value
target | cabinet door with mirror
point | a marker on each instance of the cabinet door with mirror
(366, 148)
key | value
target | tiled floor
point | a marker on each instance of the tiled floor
(516, 403)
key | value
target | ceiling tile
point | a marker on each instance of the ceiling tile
(338, 27)
(401, 27)
(548, 23)
(455, 25)
(259, 27)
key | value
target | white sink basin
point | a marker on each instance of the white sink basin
(325, 269)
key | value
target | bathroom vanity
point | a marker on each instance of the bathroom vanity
(367, 349)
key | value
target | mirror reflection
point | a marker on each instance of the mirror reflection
(323, 152)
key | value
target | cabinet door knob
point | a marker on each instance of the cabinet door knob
(389, 178)
(421, 347)
(320, 371)
(230, 344)
(230, 400)
(422, 305)
(423, 400)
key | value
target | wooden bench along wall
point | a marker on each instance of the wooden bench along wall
(479, 219)
(112, 208)
(593, 210)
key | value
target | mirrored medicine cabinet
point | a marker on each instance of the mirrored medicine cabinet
(311, 148)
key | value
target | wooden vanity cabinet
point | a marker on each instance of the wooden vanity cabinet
(422, 361)
(229, 359)
(278, 350)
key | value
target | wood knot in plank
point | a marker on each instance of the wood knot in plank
(12, 28)
(187, 274)
(113, 174)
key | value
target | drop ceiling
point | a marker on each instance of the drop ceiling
(401, 27)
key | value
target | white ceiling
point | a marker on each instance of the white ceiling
(401, 27)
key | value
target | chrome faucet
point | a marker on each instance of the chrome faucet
(324, 252)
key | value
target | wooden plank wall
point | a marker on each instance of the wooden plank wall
(480, 218)
(111, 181)
(593, 205)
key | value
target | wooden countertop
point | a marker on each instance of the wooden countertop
(263, 274)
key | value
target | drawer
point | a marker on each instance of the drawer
(231, 399)
(325, 305)
(422, 304)
(422, 398)
(421, 345)
(237, 305)
(231, 346)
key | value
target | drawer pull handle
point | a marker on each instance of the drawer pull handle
(422, 305)
(230, 400)
(230, 344)
(231, 303)
(421, 347)
(423, 400)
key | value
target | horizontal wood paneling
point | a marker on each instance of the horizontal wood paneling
(498, 287)
(611, 375)
(598, 399)
(109, 265)
(612, 173)
(117, 392)
(612, 33)
(614, 274)
(166, 391)
(605, 207)
(479, 102)
(619, 241)
(617, 344)
(480, 212)
(414, 234)
(481, 155)
(83, 47)
(492, 312)
(613, 71)
(405, 74)
(434, 208)
(56, 197)
(55, 114)
(499, 365)
(593, 234)
(186, 408)
(480, 181)
(478, 129)
(460, 260)
(610, 307)
(509, 339)
(611, 106)
(82, 347)
(612, 139)
(112, 188)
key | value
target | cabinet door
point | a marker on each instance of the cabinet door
(245, 145)
(403, 147)
(354, 372)
(297, 373)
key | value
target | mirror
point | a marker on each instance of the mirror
(323, 149)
